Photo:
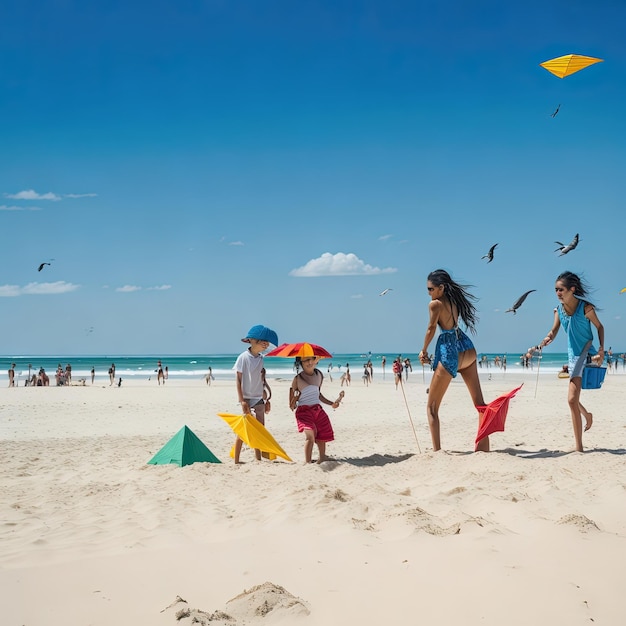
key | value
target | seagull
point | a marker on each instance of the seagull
(519, 302)
(556, 111)
(41, 266)
(386, 291)
(569, 247)
(489, 255)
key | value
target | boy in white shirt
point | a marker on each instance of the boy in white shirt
(251, 377)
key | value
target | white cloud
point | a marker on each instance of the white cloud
(339, 264)
(128, 288)
(385, 237)
(4, 207)
(31, 194)
(160, 288)
(236, 243)
(80, 195)
(357, 296)
(37, 289)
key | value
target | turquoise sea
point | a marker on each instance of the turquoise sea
(195, 367)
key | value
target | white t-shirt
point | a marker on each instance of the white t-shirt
(250, 367)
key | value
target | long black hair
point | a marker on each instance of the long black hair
(581, 288)
(458, 295)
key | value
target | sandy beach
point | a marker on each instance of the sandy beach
(384, 533)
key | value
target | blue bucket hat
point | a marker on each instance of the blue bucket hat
(261, 333)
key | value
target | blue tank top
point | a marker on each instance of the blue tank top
(578, 329)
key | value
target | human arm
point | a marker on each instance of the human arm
(325, 400)
(434, 310)
(245, 407)
(549, 338)
(590, 314)
(334, 404)
(294, 392)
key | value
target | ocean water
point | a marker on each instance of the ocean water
(195, 367)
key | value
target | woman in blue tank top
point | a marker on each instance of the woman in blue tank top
(576, 315)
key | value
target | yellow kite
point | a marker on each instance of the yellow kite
(569, 64)
(623, 290)
(254, 434)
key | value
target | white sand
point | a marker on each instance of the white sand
(91, 534)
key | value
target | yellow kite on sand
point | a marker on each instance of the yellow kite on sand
(569, 64)
(254, 434)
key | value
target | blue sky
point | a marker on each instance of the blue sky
(187, 166)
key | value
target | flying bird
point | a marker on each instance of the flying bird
(519, 302)
(41, 266)
(567, 248)
(382, 293)
(556, 112)
(489, 255)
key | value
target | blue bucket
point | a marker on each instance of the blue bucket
(593, 377)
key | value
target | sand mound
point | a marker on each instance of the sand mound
(249, 607)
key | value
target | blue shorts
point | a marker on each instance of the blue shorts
(449, 344)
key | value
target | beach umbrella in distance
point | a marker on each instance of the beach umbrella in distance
(254, 434)
(567, 248)
(569, 64)
(489, 255)
(303, 350)
(519, 302)
(493, 416)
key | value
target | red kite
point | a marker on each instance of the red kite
(493, 415)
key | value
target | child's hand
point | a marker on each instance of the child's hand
(337, 402)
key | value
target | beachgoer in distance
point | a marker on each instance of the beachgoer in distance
(209, 377)
(397, 370)
(407, 367)
(250, 377)
(12, 375)
(575, 313)
(305, 397)
(112, 374)
(454, 352)
(383, 362)
(160, 373)
(93, 374)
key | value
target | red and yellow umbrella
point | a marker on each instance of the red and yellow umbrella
(303, 350)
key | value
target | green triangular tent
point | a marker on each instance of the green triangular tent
(184, 448)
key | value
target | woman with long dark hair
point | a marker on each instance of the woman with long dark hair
(455, 352)
(575, 314)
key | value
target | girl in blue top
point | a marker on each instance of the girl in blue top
(576, 314)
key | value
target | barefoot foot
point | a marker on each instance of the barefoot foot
(589, 421)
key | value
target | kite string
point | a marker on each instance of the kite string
(538, 366)
(410, 418)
